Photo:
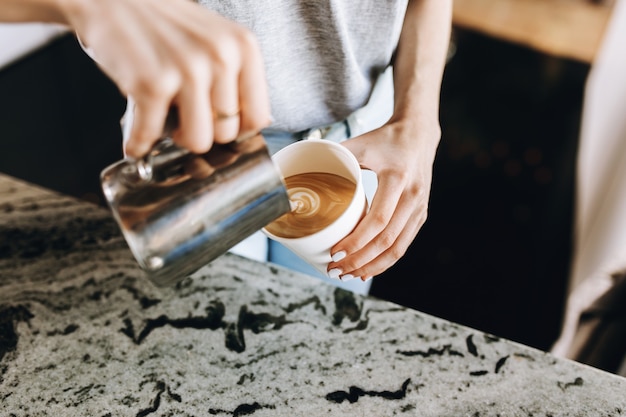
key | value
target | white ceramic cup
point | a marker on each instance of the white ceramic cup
(315, 155)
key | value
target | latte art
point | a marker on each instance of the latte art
(317, 200)
(304, 201)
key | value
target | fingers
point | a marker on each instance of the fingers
(179, 54)
(225, 108)
(380, 259)
(196, 130)
(253, 94)
(147, 125)
(398, 211)
(376, 243)
(227, 101)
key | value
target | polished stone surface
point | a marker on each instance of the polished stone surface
(83, 333)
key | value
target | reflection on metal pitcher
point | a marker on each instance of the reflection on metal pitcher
(178, 210)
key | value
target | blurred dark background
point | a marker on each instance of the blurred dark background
(59, 117)
(495, 251)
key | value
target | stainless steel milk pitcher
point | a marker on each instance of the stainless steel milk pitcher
(179, 211)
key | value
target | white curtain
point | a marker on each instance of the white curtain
(19, 39)
(600, 212)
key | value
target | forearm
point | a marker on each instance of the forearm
(420, 61)
(21, 11)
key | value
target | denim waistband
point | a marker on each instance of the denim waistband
(277, 139)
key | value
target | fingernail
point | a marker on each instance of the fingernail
(348, 277)
(336, 257)
(334, 273)
(365, 279)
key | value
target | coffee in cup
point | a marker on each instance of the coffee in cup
(317, 200)
(318, 169)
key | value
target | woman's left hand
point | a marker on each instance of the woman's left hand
(402, 151)
(402, 157)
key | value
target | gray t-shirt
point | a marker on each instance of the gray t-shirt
(322, 57)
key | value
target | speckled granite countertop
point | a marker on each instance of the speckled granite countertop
(82, 333)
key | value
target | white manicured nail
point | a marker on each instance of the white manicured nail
(339, 256)
(348, 277)
(334, 273)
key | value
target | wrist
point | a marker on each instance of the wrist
(420, 131)
(416, 121)
(67, 10)
(44, 11)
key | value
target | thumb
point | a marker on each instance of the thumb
(358, 147)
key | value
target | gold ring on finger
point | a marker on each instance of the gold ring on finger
(224, 115)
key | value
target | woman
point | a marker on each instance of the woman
(288, 67)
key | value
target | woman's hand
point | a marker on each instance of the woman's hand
(176, 53)
(401, 152)
(402, 157)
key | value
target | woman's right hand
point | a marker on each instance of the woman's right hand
(176, 53)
